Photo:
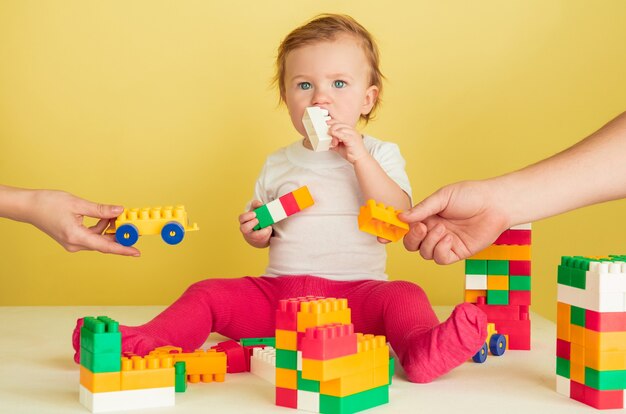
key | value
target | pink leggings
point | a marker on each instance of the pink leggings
(245, 307)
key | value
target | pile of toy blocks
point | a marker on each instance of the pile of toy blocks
(322, 365)
(497, 280)
(591, 330)
(109, 382)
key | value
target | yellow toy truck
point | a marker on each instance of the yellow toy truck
(497, 345)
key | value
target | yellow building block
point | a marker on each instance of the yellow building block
(605, 341)
(372, 351)
(152, 371)
(323, 312)
(563, 318)
(605, 360)
(471, 296)
(577, 334)
(100, 382)
(382, 221)
(498, 282)
(303, 197)
(287, 378)
(504, 252)
(286, 340)
(205, 366)
(577, 354)
(577, 372)
(359, 382)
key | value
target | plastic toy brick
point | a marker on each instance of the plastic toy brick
(263, 363)
(286, 359)
(381, 221)
(507, 312)
(101, 335)
(473, 296)
(100, 382)
(235, 356)
(519, 267)
(497, 297)
(307, 385)
(287, 378)
(126, 400)
(100, 362)
(287, 339)
(497, 267)
(170, 222)
(475, 267)
(328, 342)
(270, 341)
(180, 376)
(355, 402)
(519, 297)
(323, 312)
(511, 236)
(476, 282)
(314, 121)
(283, 207)
(605, 321)
(497, 282)
(503, 252)
(205, 366)
(308, 401)
(286, 397)
(519, 282)
(153, 371)
(518, 333)
(359, 382)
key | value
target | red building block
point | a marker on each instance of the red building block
(286, 397)
(508, 312)
(605, 321)
(520, 237)
(235, 356)
(328, 342)
(519, 297)
(518, 332)
(289, 203)
(247, 353)
(562, 349)
(519, 267)
(602, 400)
(287, 312)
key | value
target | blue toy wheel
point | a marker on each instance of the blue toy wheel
(481, 355)
(497, 344)
(173, 232)
(127, 234)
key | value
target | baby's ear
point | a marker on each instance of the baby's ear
(371, 96)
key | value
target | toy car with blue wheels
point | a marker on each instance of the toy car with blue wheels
(495, 344)
(170, 222)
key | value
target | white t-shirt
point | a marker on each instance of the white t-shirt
(324, 239)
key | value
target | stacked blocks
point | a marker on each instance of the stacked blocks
(382, 221)
(314, 121)
(283, 207)
(591, 330)
(322, 365)
(497, 280)
(111, 383)
(205, 366)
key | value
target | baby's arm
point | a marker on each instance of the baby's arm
(247, 221)
(373, 180)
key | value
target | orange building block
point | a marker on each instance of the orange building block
(323, 312)
(287, 378)
(286, 339)
(471, 296)
(359, 382)
(152, 371)
(563, 318)
(382, 221)
(205, 366)
(503, 252)
(497, 282)
(100, 382)
(303, 197)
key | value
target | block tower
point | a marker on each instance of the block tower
(109, 382)
(497, 280)
(322, 365)
(591, 330)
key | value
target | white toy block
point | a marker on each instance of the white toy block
(263, 363)
(101, 402)
(476, 282)
(299, 360)
(526, 226)
(314, 121)
(276, 209)
(309, 401)
(563, 385)
(591, 299)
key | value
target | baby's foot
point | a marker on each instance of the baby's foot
(447, 345)
(134, 341)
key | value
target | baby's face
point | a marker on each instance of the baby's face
(333, 75)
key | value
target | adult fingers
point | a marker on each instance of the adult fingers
(431, 205)
(98, 210)
(430, 241)
(414, 237)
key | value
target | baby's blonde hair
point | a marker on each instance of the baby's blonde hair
(327, 27)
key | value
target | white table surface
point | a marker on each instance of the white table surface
(38, 374)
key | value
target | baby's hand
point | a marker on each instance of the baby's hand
(247, 221)
(347, 141)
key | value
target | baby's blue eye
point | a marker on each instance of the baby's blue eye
(304, 86)
(339, 84)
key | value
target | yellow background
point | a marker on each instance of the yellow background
(157, 102)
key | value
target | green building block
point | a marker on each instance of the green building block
(392, 368)
(101, 335)
(475, 267)
(264, 217)
(101, 362)
(562, 367)
(605, 380)
(258, 341)
(307, 385)
(519, 282)
(355, 402)
(577, 316)
(564, 276)
(286, 359)
(498, 267)
(180, 376)
(497, 297)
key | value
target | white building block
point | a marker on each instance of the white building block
(562, 385)
(309, 401)
(314, 121)
(263, 363)
(276, 209)
(476, 282)
(101, 402)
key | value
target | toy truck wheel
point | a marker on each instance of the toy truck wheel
(481, 355)
(173, 232)
(127, 235)
(497, 344)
